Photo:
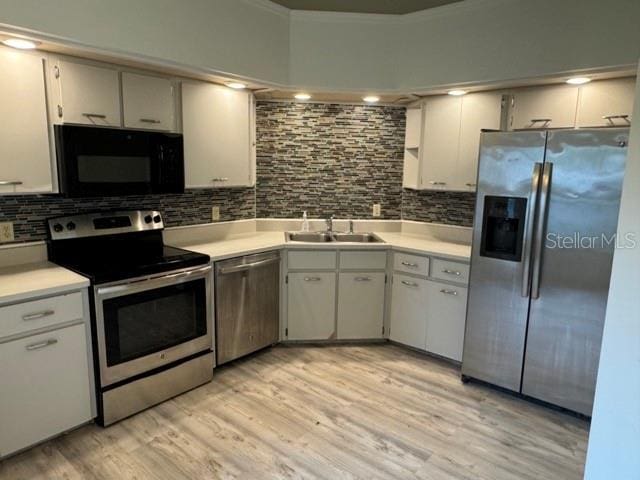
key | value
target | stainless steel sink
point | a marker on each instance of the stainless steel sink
(315, 237)
(325, 237)
(356, 237)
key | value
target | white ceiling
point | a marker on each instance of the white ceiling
(394, 7)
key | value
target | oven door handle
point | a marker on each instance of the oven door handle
(148, 283)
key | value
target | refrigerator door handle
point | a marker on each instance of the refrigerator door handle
(541, 227)
(530, 222)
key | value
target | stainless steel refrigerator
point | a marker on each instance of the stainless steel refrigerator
(543, 242)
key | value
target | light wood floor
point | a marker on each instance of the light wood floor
(324, 412)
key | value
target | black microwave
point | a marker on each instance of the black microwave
(94, 161)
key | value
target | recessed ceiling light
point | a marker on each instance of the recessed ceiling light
(457, 93)
(21, 43)
(237, 85)
(371, 99)
(578, 80)
(302, 96)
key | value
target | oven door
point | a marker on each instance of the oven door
(150, 322)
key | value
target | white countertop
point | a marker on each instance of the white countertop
(248, 243)
(30, 280)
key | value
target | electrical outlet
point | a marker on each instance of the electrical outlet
(376, 209)
(6, 232)
(215, 214)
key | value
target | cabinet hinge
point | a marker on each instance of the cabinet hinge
(286, 279)
(60, 111)
(382, 330)
(286, 332)
(385, 278)
(56, 71)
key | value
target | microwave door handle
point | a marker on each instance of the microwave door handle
(528, 231)
(541, 226)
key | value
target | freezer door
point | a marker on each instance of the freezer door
(508, 176)
(570, 280)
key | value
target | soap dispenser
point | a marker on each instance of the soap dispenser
(305, 222)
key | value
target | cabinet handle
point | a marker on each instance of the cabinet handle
(10, 182)
(409, 284)
(437, 183)
(471, 184)
(149, 120)
(537, 120)
(408, 264)
(46, 343)
(312, 279)
(362, 279)
(37, 315)
(451, 272)
(94, 115)
(448, 292)
(220, 179)
(611, 117)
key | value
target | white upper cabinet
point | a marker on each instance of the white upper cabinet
(219, 138)
(439, 152)
(480, 111)
(148, 102)
(88, 95)
(551, 106)
(606, 103)
(25, 154)
(413, 137)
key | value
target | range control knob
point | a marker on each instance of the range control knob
(57, 227)
(71, 226)
(147, 219)
(157, 219)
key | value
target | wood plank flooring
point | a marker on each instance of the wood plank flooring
(331, 412)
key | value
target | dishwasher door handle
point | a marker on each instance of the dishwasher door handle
(247, 266)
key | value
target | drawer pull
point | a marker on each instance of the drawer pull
(611, 117)
(94, 115)
(409, 264)
(362, 279)
(437, 183)
(150, 120)
(10, 182)
(451, 272)
(448, 292)
(409, 284)
(312, 279)
(39, 345)
(37, 315)
(220, 179)
(469, 184)
(538, 120)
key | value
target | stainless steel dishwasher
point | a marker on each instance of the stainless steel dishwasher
(247, 304)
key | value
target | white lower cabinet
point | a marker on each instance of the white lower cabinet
(445, 312)
(361, 305)
(408, 323)
(311, 306)
(45, 387)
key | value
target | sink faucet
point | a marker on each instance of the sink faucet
(329, 222)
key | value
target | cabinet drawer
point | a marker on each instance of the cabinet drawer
(312, 260)
(403, 262)
(451, 271)
(363, 260)
(45, 387)
(46, 312)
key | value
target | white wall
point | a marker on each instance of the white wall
(470, 41)
(614, 440)
(243, 37)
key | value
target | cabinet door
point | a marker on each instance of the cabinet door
(412, 140)
(446, 310)
(360, 305)
(311, 306)
(606, 103)
(148, 102)
(408, 323)
(479, 111)
(89, 95)
(217, 136)
(545, 107)
(45, 387)
(439, 153)
(25, 155)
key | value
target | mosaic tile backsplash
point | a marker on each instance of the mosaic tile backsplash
(29, 212)
(453, 208)
(329, 159)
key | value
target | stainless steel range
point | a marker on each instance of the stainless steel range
(151, 312)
